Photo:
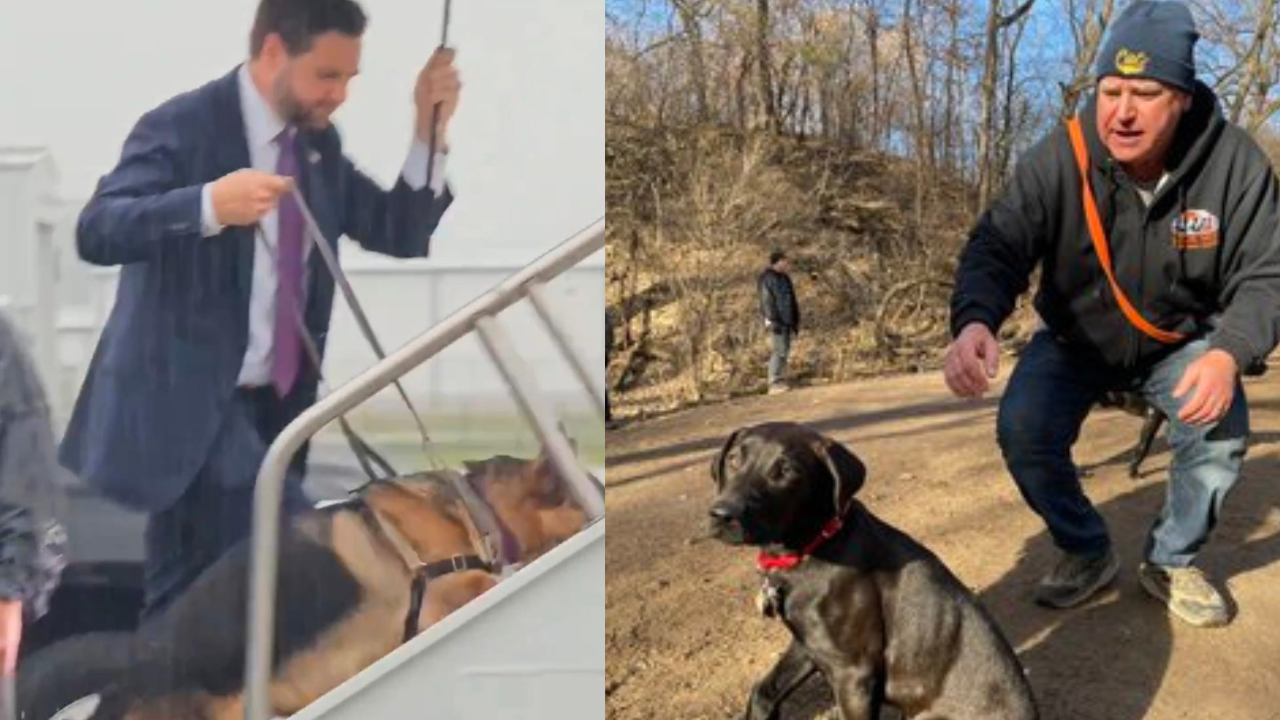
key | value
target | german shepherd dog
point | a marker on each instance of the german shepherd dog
(346, 594)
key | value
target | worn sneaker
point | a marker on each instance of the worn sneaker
(1076, 578)
(1187, 592)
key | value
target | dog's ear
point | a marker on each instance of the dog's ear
(847, 471)
(717, 463)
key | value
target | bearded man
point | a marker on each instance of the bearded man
(200, 365)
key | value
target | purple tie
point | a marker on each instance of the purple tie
(286, 346)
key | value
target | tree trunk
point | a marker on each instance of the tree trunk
(1088, 38)
(922, 141)
(876, 130)
(987, 170)
(764, 67)
(986, 121)
(949, 129)
(1004, 146)
(691, 21)
(740, 91)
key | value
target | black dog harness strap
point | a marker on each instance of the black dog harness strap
(422, 572)
(430, 571)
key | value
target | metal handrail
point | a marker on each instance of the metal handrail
(270, 483)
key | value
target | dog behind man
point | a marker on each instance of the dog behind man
(1152, 420)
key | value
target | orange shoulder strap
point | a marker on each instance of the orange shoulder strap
(1099, 236)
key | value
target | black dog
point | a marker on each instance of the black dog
(880, 616)
(1135, 404)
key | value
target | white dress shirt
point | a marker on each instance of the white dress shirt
(261, 126)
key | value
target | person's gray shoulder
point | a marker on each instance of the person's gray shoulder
(19, 387)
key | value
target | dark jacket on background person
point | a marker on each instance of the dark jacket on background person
(1203, 259)
(32, 483)
(778, 300)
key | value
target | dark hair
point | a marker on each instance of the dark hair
(776, 256)
(298, 22)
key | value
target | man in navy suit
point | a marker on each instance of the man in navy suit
(200, 365)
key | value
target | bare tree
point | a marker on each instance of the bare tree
(921, 138)
(871, 20)
(889, 123)
(954, 63)
(691, 14)
(1088, 23)
(764, 67)
(1246, 31)
(996, 22)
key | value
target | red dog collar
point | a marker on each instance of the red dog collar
(767, 561)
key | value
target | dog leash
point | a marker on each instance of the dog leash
(1100, 246)
(495, 538)
(357, 310)
(365, 454)
(435, 109)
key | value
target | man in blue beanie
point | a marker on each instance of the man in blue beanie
(1160, 274)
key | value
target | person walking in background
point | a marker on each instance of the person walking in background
(781, 314)
(32, 486)
(200, 365)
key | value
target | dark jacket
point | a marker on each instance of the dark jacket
(32, 484)
(778, 300)
(164, 373)
(1224, 284)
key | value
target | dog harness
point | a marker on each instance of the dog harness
(422, 572)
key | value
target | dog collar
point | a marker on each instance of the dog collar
(767, 561)
(509, 547)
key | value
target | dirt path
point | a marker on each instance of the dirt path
(684, 642)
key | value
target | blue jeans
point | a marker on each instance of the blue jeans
(1047, 399)
(780, 348)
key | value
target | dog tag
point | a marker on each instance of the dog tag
(769, 599)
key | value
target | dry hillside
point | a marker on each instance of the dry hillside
(693, 215)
